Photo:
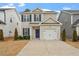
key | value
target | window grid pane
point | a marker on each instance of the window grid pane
(26, 31)
(24, 18)
(37, 17)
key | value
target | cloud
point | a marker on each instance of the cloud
(10, 5)
(21, 4)
(57, 11)
(67, 8)
(46, 10)
(6, 7)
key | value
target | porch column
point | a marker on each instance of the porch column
(31, 33)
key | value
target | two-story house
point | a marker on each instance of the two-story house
(11, 18)
(70, 20)
(40, 24)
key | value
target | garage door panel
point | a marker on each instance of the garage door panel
(50, 34)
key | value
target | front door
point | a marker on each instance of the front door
(37, 33)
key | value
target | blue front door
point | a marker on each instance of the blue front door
(37, 33)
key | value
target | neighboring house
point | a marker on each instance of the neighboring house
(70, 20)
(11, 19)
(40, 24)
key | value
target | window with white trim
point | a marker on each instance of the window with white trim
(26, 31)
(37, 17)
(10, 20)
(26, 18)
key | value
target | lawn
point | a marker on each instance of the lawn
(74, 44)
(11, 47)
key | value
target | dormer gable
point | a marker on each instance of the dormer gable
(50, 21)
(37, 10)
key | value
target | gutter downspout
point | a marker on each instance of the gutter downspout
(71, 19)
(4, 16)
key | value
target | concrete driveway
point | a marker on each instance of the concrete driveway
(48, 48)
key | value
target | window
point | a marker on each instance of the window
(26, 18)
(29, 17)
(37, 17)
(17, 23)
(10, 20)
(26, 31)
(23, 18)
(10, 32)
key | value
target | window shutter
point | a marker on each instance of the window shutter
(30, 17)
(22, 18)
(39, 17)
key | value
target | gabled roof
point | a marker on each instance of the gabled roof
(40, 9)
(50, 21)
(71, 11)
(43, 10)
(37, 10)
(76, 22)
(6, 8)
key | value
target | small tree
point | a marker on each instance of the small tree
(1, 35)
(27, 10)
(63, 35)
(74, 36)
(16, 34)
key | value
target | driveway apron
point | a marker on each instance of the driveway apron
(48, 48)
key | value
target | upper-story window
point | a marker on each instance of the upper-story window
(10, 20)
(26, 18)
(17, 23)
(37, 17)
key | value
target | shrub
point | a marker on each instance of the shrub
(1, 35)
(74, 36)
(20, 37)
(16, 34)
(63, 35)
(26, 37)
(23, 38)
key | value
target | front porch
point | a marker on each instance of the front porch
(35, 32)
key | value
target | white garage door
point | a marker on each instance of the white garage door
(50, 34)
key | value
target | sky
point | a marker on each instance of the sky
(20, 7)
